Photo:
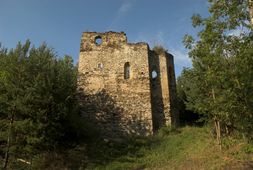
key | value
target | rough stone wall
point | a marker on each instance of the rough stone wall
(118, 106)
(129, 107)
(163, 89)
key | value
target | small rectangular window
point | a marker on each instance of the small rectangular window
(127, 70)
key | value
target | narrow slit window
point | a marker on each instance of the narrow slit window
(100, 66)
(127, 70)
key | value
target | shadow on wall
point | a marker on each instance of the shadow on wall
(172, 89)
(101, 110)
(157, 105)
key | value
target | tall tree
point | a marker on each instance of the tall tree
(222, 66)
(36, 101)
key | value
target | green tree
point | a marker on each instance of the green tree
(188, 92)
(37, 101)
(222, 67)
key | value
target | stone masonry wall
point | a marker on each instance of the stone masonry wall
(102, 71)
(163, 89)
(120, 106)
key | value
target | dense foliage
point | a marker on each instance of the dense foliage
(37, 103)
(220, 84)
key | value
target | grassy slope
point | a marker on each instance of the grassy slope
(190, 148)
(186, 148)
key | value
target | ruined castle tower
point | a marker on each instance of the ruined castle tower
(125, 88)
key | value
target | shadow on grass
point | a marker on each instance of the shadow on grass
(102, 152)
(126, 150)
(112, 133)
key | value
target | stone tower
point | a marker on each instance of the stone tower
(125, 88)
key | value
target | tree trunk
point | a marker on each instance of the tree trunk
(251, 11)
(218, 131)
(6, 158)
(219, 134)
(217, 123)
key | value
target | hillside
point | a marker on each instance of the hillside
(183, 149)
(187, 148)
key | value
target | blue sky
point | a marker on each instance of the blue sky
(60, 23)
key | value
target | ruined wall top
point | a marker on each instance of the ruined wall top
(119, 37)
(97, 40)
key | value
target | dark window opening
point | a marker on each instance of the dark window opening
(127, 70)
(98, 40)
(100, 66)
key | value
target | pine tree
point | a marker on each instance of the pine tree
(36, 101)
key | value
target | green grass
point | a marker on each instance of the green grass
(169, 151)
(189, 147)
(185, 148)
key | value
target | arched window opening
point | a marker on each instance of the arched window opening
(98, 40)
(127, 70)
(154, 74)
